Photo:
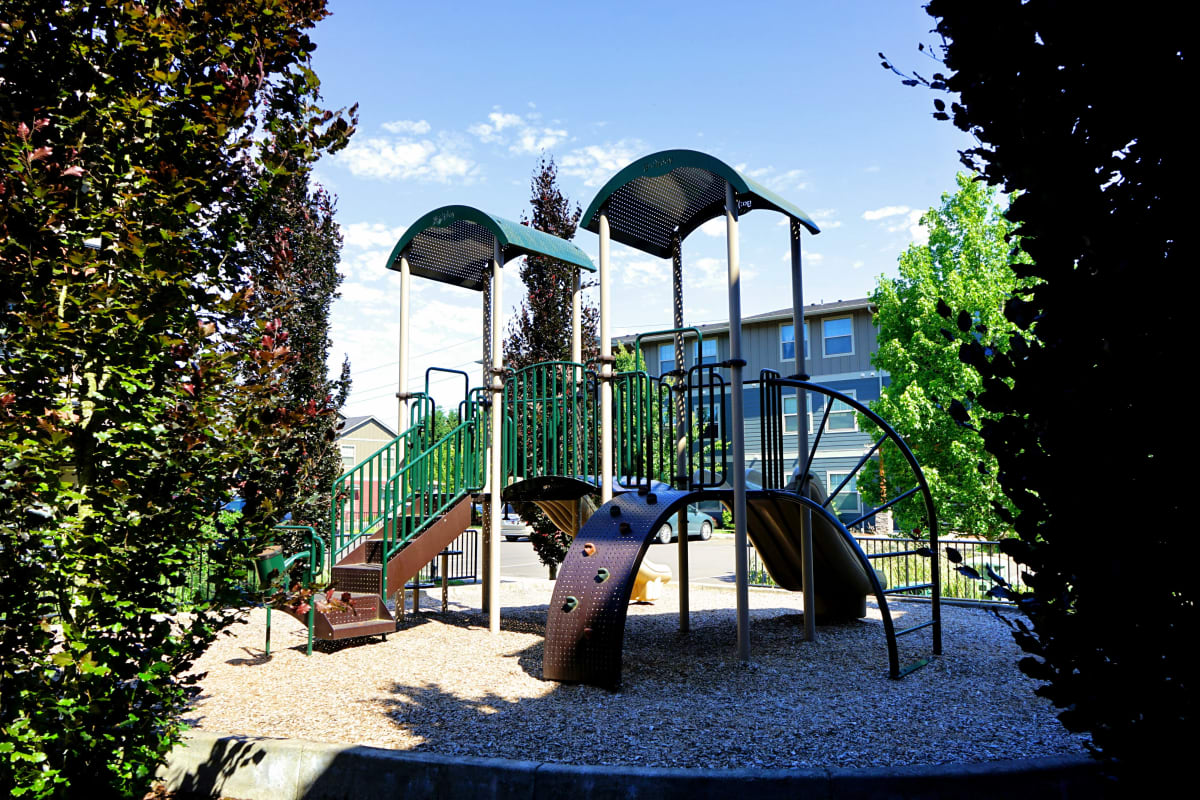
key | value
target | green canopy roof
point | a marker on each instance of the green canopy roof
(672, 193)
(453, 244)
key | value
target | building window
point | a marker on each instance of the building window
(847, 501)
(348, 457)
(710, 352)
(666, 358)
(787, 342)
(838, 335)
(790, 421)
(843, 418)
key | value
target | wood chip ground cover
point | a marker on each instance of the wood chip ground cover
(441, 684)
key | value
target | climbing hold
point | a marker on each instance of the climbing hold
(614, 511)
(644, 489)
(571, 603)
(651, 499)
(626, 529)
(602, 575)
(587, 633)
(588, 549)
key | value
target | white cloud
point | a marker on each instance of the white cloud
(779, 181)
(644, 272)
(367, 234)
(413, 127)
(886, 211)
(536, 140)
(404, 158)
(716, 226)
(872, 168)
(489, 131)
(824, 217)
(858, 264)
(596, 163)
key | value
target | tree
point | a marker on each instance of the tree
(1048, 93)
(140, 144)
(964, 265)
(293, 255)
(541, 330)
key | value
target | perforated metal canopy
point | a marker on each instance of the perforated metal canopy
(453, 244)
(672, 193)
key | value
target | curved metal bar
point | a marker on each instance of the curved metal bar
(922, 484)
(876, 587)
(466, 379)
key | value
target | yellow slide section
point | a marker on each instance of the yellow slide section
(569, 514)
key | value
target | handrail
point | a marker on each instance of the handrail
(357, 502)
(315, 556)
(637, 344)
(428, 484)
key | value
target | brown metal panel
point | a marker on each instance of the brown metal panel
(425, 547)
(585, 625)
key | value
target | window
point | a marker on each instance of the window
(843, 418)
(839, 336)
(790, 421)
(348, 457)
(666, 358)
(787, 342)
(847, 501)
(710, 352)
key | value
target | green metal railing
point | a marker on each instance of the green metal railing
(358, 501)
(314, 558)
(643, 429)
(552, 421)
(430, 483)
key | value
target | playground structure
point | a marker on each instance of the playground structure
(610, 457)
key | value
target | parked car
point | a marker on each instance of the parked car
(512, 527)
(699, 526)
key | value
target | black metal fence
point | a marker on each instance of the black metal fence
(975, 554)
(461, 567)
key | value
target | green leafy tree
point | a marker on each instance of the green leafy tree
(964, 265)
(1103, 210)
(140, 144)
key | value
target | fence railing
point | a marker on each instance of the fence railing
(976, 554)
(461, 567)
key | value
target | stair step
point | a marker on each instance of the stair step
(373, 627)
(357, 578)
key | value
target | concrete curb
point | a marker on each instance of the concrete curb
(250, 768)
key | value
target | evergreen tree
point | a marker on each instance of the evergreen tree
(541, 330)
(294, 255)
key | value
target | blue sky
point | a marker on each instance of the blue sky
(457, 102)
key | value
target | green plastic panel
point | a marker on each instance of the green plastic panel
(453, 244)
(673, 192)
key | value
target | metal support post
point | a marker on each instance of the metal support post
(681, 398)
(737, 432)
(485, 514)
(496, 382)
(606, 422)
(402, 392)
(576, 319)
(806, 535)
